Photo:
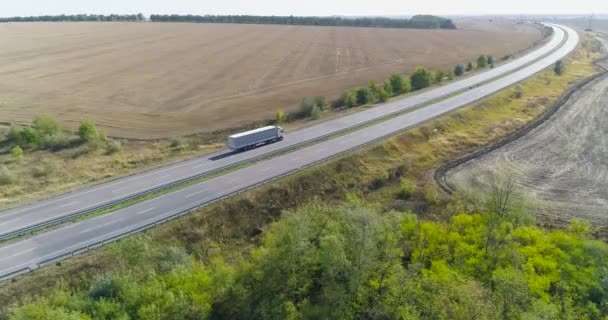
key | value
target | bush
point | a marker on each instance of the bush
(315, 114)
(383, 95)
(559, 68)
(364, 96)
(388, 88)
(6, 176)
(306, 107)
(113, 147)
(17, 153)
(469, 66)
(28, 137)
(482, 62)
(280, 117)
(349, 98)
(14, 135)
(459, 70)
(439, 75)
(45, 126)
(490, 60)
(408, 188)
(320, 102)
(56, 141)
(431, 195)
(88, 132)
(399, 84)
(421, 78)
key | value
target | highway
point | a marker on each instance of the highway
(30, 253)
(23, 218)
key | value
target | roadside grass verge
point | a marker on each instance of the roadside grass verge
(228, 229)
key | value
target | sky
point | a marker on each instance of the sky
(303, 7)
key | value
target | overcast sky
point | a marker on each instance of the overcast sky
(302, 7)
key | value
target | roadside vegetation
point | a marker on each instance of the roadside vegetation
(385, 243)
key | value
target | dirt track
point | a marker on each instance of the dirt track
(152, 80)
(563, 162)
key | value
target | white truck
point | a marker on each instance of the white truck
(253, 138)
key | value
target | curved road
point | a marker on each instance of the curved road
(17, 220)
(30, 253)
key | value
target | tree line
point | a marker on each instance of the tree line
(416, 22)
(77, 17)
(353, 262)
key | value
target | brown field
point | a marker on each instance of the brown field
(157, 80)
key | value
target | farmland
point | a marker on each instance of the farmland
(561, 163)
(159, 80)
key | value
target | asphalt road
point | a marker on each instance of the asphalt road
(29, 253)
(23, 218)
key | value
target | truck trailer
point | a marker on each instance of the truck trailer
(253, 138)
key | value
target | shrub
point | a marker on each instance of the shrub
(559, 68)
(383, 95)
(315, 114)
(6, 176)
(320, 102)
(408, 188)
(280, 117)
(113, 147)
(459, 70)
(17, 153)
(469, 66)
(364, 96)
(373, 87)
(399, 84)
(88, 132)
(388, 88)
(45, 126)
(450, 75)
(490, 60)
(349, 98)
(482, 62)
(56, 141)
(421, 78)
(28, 137)
(431, 195)
(14, 135)
(439, 75)
(306, 107)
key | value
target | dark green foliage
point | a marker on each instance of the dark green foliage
(559, 68)
(421, 78)
(77, 17)
(399, 84)
(482, 62)
(490, 60)
(438, 76)
(349, 99)
(320, 102)
(364, 96)
(383, 95)
(459, 70)
(416, 22)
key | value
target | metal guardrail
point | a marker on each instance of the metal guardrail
(254, 159)
(88, 247)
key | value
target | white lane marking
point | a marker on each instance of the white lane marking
(148, 210)
(165, 176)
(7, 222)
(120, 189)
(100, 226)
(17, 254)
(266, 169)
(69, 204)
(202, 165)
(198, 192)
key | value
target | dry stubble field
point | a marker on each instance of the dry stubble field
(153, 80)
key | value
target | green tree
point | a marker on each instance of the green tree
(383, 95)
(388, 88)
(421, 78)
(17, 153)
(469, 66)
(482, 61)
(559, 68)
(374, 89)
(459, 70)
(349, 98)
(320, 102)
(398, 84)
(45, 126)
(490, 60)
(315, 114)
(306, 107)
(88, 132)
(439, 75)
(28, 137)
(364, 96)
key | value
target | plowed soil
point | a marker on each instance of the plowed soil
(563, 162)
(151, 80)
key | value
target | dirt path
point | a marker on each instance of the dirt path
(563, 162)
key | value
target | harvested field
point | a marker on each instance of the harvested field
(563, 162)
(152, 80)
